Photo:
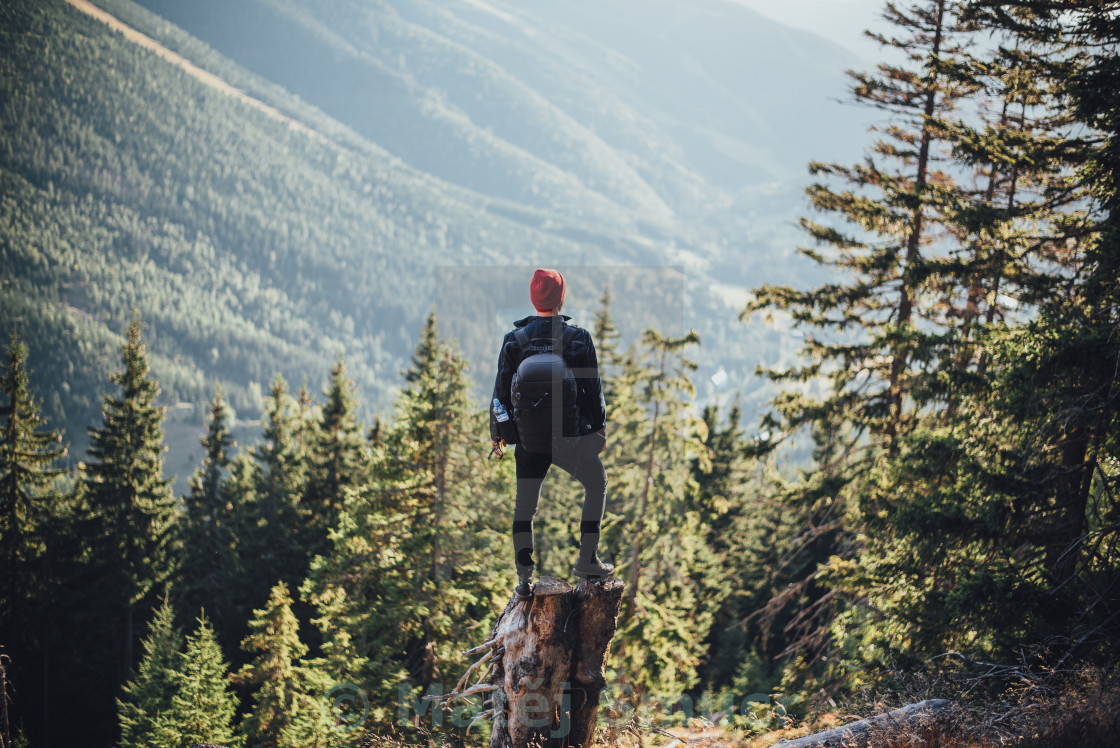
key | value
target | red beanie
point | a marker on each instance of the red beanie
(546, 290)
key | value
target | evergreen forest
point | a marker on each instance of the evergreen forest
(924, 506)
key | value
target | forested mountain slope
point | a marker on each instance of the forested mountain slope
(664, 109)
(249, 248)
(444, 137)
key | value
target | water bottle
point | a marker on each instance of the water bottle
(500, 413)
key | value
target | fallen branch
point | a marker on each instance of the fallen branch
(924, 718)
(480, 647)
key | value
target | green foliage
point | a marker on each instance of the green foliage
(147, 697)
(131, 509)
(180, 696)
(962, 486)
(957, 383)
(269, 482)
(289, 692)
(414, 572)
(755, 539)
(653, 523)
(29, 499)
(867, 327)
(871, 332)
(339, 458)
(283, 459)
(208, 568)
(202, 704)
(272, 252)
(994, 527)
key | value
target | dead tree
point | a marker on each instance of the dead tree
(5, 699)
(542, 668)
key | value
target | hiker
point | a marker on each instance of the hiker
(548, 401)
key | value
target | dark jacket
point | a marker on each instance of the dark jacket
(579, 355)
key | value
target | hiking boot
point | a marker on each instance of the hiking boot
(592, 569)
(524, 589)
(588, 565)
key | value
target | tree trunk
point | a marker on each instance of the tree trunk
(548, 664)
(913, 242)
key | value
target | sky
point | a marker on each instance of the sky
(842, 21)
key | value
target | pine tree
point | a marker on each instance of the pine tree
(130, 502)
(744, 530)
(411, 577)
(36, 539)
(339, 458)
(1079, 327)
(208, 569)
(263, 495)
(873, 335)
(892, 205)
(27, 498)
(607, 348)
(993, 527)
(148, 696)
(1020, 150)
(203, 705)
(654, 525)
(283, 480)
(289, 693)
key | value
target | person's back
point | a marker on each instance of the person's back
(548, 381)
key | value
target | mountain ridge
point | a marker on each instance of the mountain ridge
(252, 249)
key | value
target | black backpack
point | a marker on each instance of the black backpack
(543, 392)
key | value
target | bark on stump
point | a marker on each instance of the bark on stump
(548, 664)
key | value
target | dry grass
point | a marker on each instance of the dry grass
(1005, 708)
(1010, 706)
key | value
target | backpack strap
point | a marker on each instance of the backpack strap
(558, 337)
(521, 335)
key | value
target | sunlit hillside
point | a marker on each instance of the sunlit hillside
(253, 247)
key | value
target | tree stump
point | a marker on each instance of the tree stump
(547, 657)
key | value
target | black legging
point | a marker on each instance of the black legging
(579, 458)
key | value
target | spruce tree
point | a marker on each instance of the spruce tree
(871, 352)
(148, 696)
(654, 526)
(289, 693)
(993, 528)
(607, 348)
(411, 577)
(744, 531)
(283, 478)
(36, 539)
(28, 453)
(130, 503)
(207, 569)
(203, 704)
(263, 493)
(339, 458)
(865, 328)
(1020, 150)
